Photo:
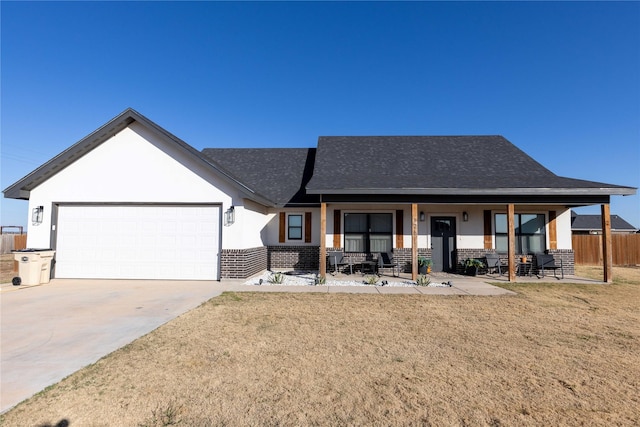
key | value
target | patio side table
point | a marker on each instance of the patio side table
(368, 265)
(524, 268)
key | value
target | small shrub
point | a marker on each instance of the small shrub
(371, 280)
(319, 280)
(423, 280)
(276, 278)
(162, 417)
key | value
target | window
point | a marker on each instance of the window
(294, 227)
(529, 230)
(368, 232)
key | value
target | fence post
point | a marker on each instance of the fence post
(607, 256)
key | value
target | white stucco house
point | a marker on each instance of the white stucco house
(133, 201)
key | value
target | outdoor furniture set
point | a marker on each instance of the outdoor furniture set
(494, 263)
(339, 261)
(525, 267)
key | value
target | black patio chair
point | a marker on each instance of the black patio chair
(494, 263)
(337, 260)
(546, 261)
(385, 260)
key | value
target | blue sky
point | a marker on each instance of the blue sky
(561, 80)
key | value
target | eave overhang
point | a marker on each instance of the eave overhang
(609, 191)
(542, 199)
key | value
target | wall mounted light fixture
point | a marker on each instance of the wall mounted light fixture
(465, 216)
(37, 215)
(229, 216)
(421, 216)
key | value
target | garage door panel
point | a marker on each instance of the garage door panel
(138, 242)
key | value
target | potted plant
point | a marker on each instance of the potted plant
(471, 266)
(424, 265)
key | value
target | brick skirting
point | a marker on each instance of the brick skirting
(293, 257)
(567, 256)
(401, 256)
(242, 263)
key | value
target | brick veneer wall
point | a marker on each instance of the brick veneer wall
(401, 256)
(293, 257)
(567, 256)
(461, 255)
(242, 263)
(568, 259)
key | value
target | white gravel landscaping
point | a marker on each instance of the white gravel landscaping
(300, 278)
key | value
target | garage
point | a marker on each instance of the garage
(126, 241)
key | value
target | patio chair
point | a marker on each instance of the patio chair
(494, 263)
(385, 260)
(337, 260)
(546, 261)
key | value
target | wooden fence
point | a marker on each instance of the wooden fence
(625, 248)
(12, 242)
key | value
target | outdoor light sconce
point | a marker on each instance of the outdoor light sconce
(229, 216)
(421, 216)
(465, 216)
(37, 215)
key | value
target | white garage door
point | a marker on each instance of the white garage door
(138, 242)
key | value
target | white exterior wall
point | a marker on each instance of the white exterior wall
(470, 234)
(134, 166)
(563, 229)
(271, 233)
(250, 227)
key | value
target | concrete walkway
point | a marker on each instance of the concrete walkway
(50, 331)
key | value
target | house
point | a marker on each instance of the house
(133, 201)
(592, 224)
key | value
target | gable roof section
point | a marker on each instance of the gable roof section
(438, 165)
(278, 174)
(581, 222)
(22, 188)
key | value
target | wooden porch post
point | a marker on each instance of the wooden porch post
(511, 241)
(414, 241)
(607, 253)
(323, 238)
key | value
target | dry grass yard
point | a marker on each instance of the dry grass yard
(6, 268)
(556, 354)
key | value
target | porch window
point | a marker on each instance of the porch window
(294, 227)
(368, 232)
(529, 230)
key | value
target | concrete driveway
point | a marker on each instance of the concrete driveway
(50, 331)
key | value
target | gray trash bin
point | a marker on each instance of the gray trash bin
(34, 265)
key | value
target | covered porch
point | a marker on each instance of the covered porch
(450, 234)
(512, 204)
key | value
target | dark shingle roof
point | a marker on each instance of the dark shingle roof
(278, 174)
(594, 222)
(434, 165)
(361, 166)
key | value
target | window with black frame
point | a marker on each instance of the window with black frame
(368, 232)
(529, 233)
(294, 227)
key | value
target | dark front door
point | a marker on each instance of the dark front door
(443, 242)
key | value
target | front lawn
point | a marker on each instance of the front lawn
(555, 354)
